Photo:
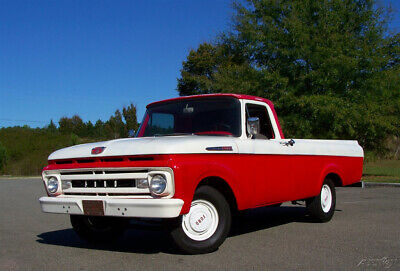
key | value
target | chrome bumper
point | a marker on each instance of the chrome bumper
(154, 208)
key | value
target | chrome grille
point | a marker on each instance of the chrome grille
(103, 182)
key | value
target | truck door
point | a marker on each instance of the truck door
(269, 160)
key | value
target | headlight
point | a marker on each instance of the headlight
(158, 184)
(52, 185)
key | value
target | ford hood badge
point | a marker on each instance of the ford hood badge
(98, 150)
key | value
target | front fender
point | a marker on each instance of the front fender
(190, 172)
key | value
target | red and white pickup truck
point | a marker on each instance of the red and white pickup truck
(195, 161)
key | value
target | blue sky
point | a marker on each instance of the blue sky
(60, 58)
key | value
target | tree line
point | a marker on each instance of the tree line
(121, 124)
(24, 150)
(332, 68)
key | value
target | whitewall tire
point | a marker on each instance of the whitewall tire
(322, 207)
(204, 228)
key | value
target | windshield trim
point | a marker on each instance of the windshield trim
(146, 116)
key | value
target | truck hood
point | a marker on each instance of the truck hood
(149, 145)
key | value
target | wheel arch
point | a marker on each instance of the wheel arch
(223, 187)
(337, 180)
(332, 171)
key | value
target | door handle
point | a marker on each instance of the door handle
(289, 143)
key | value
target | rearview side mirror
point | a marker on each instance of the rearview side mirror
(253, 126)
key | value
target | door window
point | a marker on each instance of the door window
(260, 111)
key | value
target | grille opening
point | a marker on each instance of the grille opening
(126, 183)
(103, 172)
(78, 183)
(126, 171)
(110, 183)
(80, 194)
(141, 158)
(103, 183)
(85, 161)
(103, 159)
(112, 160)
(63, 162)
(75, 173)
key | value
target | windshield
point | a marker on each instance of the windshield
(205, 116)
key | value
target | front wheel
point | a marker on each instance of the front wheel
(322, 207)
(207, 224)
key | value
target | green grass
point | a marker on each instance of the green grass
(382, 171)
(27, 149)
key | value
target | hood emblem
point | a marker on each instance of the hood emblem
(98, 150)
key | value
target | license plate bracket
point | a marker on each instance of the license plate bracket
(93, 207)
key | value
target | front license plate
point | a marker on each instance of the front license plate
(93, 207)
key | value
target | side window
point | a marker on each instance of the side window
(160, 123)
(259, 111)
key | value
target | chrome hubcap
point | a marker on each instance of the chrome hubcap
(202, 220)
(326, 198)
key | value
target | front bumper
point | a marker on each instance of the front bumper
(154, 208)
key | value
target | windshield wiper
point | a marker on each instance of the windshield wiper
(173, 134)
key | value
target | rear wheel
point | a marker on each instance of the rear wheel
(322, 207)
(98, 228)
(207, 224)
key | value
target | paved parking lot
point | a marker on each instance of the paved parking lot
(364, 234)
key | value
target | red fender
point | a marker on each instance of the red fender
(328, 169)
(185, 189)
